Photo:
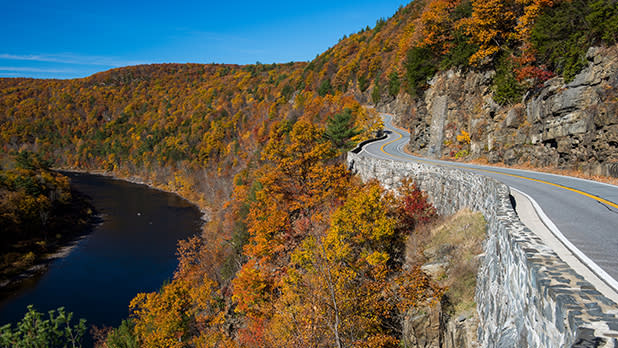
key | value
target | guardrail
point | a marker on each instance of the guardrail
(380, 136)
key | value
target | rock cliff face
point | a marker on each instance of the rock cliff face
(430, 326)
(571, 126)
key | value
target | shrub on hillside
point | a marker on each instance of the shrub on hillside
(393, 84)
(325, 88)
(376, 94)
(459, 55)
(420, 67)
(36, 331)
(507, 90)
(363, 83)
(414, 207)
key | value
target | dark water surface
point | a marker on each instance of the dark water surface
(132, 250)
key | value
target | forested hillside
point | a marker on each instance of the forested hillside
(174, 125)
(297, 252)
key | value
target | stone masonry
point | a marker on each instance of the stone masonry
(526, 295)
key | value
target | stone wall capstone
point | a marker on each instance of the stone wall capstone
(526, 295)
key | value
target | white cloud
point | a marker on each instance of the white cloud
(35, 70)
(71, 59)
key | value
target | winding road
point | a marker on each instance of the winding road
(583, 214)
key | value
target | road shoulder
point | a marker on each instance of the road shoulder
(529, 217)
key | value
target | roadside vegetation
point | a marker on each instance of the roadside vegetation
(456, 242)
(38, 213)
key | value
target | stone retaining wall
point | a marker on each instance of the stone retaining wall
(526, 295)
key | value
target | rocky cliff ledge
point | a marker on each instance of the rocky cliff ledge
(566, 125)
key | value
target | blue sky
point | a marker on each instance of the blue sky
(76, 38)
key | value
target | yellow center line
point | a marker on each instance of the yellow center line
(596, 198)
(390, 142)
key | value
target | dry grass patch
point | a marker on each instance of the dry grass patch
(451, 253)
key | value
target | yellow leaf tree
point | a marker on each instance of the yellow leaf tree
(490, 26)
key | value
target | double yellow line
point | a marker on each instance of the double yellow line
(596, 198)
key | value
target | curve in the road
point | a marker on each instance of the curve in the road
(599, 199)
(584, 212)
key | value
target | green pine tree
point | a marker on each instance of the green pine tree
(340, 130)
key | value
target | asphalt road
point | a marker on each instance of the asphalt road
(585, 212)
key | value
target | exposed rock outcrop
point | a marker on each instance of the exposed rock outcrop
(401, 107)
(566, 125)
(435, 326)
(423, 327)
(451, 257)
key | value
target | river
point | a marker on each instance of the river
(132, 250)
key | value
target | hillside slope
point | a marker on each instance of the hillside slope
(190, 127)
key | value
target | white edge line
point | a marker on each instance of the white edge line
(527, 170)
(598, 271)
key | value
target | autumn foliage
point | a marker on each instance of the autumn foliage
(298, 244)
(334, 278)
(30, 195)
(38, 212)
(296, 252)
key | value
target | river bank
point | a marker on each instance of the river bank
(29, 258)
(132, 250)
